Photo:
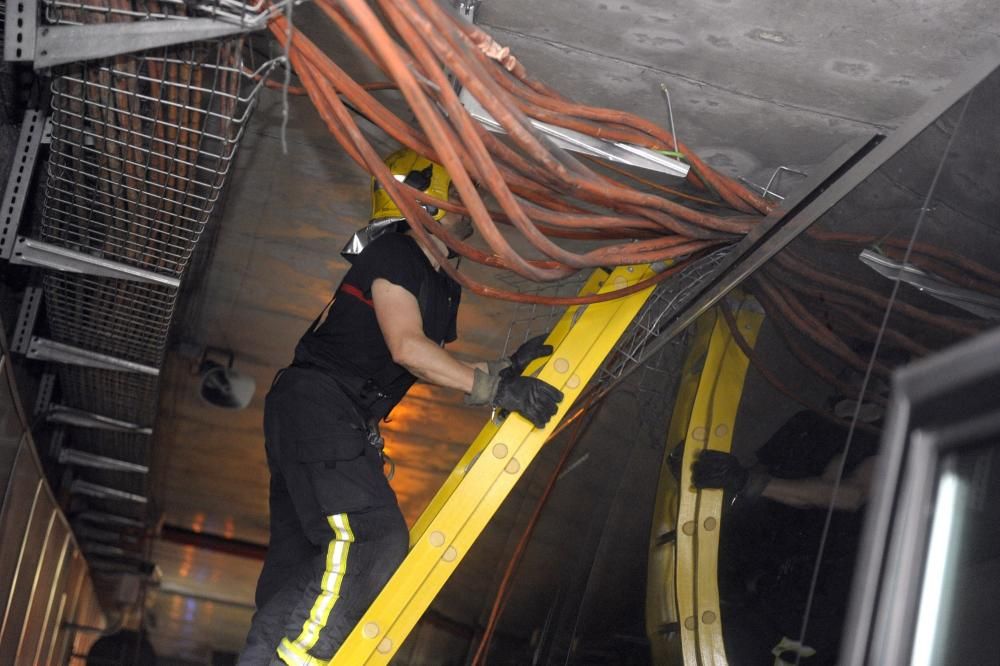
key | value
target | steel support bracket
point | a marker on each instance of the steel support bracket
(43, 349)
(16, 192)
(20, 25)
(33, 252)
(105, 518)
(84, 459)
(83, 419)
(26, 318)
(82, 487)
(613, 151)
(27, 39)
(44, 398)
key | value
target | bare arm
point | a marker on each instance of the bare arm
(402, 327)
(817, 491)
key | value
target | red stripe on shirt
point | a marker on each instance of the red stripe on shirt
(351, 290)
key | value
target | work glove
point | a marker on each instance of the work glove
(530, 397)
(718, 469)
(522, 356)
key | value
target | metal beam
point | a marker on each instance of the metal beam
(83, 419)
(26, 318)
(84, 459)
(20, 25)
(43, 349)
(25, 155)
(45, 387)
(45, 255)
(105, 518)
(81, 487)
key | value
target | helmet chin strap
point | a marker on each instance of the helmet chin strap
(463, 229)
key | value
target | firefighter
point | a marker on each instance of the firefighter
(337, 533)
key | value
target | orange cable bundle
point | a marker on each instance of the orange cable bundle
(542, 191)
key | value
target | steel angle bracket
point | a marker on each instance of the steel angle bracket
(84, 459)
(43, 349)
(46, 386)
(614, 151)
(27, 317)
(46, 255)
(33, 129)
(27, 39)
(81, 487)
(699, 514)
(83, 419)
(449, 528)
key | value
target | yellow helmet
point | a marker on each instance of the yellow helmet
(414, 170)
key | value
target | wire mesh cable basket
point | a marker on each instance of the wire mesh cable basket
(141, 147)
(126, 319)
(635, 347)
(125, 396)
(130, 447)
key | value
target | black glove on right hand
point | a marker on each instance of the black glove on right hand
(718, 469)
(528, 396)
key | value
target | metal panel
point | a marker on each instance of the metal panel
(88, 614)
(43, 588)
(11, 428)
(75, 579)
(35, 539)
(23, 491)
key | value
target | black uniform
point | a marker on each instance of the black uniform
(337, 533)
(770, 548)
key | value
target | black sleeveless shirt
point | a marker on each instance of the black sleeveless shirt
(348, 344)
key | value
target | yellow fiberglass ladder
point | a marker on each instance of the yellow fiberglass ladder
(683, 618)
(488, 471)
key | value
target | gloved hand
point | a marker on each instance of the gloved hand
(532, 398)
(718, 469)
(528, 352)
(522, 356)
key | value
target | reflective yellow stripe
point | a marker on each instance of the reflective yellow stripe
(333, 578)
(292, 655)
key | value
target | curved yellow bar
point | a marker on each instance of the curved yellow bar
(662, 595)
(699, 513)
